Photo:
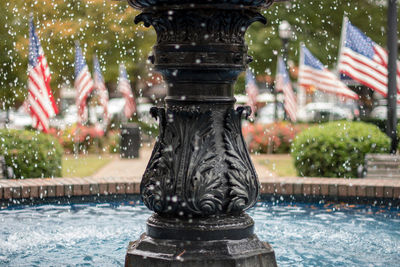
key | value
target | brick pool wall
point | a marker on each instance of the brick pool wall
(332, 188)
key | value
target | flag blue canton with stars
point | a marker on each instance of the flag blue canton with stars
(80, 62)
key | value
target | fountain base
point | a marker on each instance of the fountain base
(245, 252)
(227, 240)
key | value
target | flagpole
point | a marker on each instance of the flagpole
(76, 141)
(301, 92)
(392, 69)
(342, 41)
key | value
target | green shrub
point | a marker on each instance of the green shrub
(336, 149)
(398, 136)
(31, 154)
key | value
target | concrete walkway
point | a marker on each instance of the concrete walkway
(134, 168)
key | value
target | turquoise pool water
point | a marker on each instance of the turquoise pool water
(301, 234)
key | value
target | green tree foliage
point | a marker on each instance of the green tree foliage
(106, 27)
(316, 23)
(101, 26)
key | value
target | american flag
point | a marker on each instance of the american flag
(40, 101)
(100, 88)
(313, 74)
(252, 91)
(283, 84)
(83, 84)
(363, 60)
(124, 87)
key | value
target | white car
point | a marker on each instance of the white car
(17, 119)
(116, 107)
(323, 111)
(71, 115)
(380, 112)
(266, 114)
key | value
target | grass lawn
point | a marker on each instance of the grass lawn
(83, 165)
(280, 164)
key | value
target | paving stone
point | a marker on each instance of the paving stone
(51, 191)
(370, 191)
(34, 191)
(26, 191)
(136, 188)
(306, 189)
(86, 189)
(379, 191)
(324, 189)
(103, 188)
(361, 191)
(121, 188)
(388, 192)
(68, 190)
(352, 190)
(112, 188)
(60, 190)
(288, 188)
(16, 192)
(333, 190)
(315, 189)
(268, 188)
(77, 190)
(130, 188)
(94, 189)
(7, 192)
(343, 190)
(396, 193)
(279, 189)
(297, 189)
(43, 191)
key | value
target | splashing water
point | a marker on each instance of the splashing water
(301, 234)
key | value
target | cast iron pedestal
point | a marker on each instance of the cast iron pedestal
(200, 178)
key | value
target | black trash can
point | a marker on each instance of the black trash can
(130, 141)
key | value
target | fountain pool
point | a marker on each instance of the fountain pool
(97, 234)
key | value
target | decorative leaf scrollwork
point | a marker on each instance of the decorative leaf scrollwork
(204, 190)
(141, 4)
(242, 177)
(156, 183)
(201, 25)
(180, 177)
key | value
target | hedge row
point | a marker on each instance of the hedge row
(336, 149)
(31, 154)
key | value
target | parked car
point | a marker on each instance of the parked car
(143, 111)
(17, 119)
(380, 112)
(116, 108)
(323, 111)
(266, 114)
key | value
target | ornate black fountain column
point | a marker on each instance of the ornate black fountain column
(200, 178)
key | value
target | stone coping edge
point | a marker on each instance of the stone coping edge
(322, 188)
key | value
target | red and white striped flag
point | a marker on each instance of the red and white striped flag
(101, 89)
(40, 102)
(124, 87)
(251, 91)
(313, 74)
(363, 60)
(283, 84)
(83, 84)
